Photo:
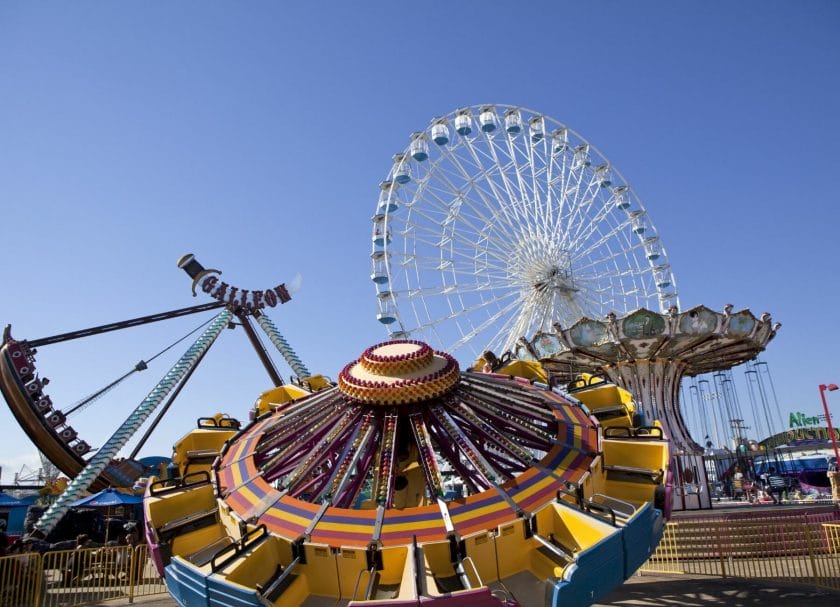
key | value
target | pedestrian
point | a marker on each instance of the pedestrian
(78, 560)
(775, 485)
(737, 483)
(4, 539)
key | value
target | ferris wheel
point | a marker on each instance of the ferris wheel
(496, 222)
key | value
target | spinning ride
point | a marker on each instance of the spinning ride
(410, 483)
(496, 222)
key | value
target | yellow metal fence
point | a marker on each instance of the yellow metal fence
(799, 551)
(77, 577)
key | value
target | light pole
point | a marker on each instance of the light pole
(830, 388)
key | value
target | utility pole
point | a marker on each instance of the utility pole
(738, 436)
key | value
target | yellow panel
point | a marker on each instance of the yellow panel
(528, 369)
(482, 551)
(551, 524)
(646, 455)
(437, 557)
(602, 394)
(650, 455)
(171, 506)
(542, 566)
(271, 399)
(393, 564)
(352, 567)
(295, 594)
(317, 382)
(585, 530)
(512, 548)
(258, 565)
(408, 582)
(320, 570)
(187, 544)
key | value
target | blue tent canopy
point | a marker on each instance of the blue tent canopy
(107, 497)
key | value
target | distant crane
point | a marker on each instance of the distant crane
(26, 478)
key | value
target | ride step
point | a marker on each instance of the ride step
(206, 554)
(553, 556)
(654, 476)
(188, 523)
(277, 584)
(553, 550)
(609, 412)
(448, 584)
(206, 455)
(386, 591)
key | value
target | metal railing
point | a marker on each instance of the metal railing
(800, 551)
(77, 577)
(20, 580)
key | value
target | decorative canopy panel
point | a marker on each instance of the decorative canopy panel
(700, 340)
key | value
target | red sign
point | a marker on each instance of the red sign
(250, 300)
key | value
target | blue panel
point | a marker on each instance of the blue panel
(597, 571)
(223, 594)
(190, 583)
(173, 584)
(658, 527)
(640, 539)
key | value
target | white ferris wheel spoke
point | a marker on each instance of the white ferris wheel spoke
(497, 235)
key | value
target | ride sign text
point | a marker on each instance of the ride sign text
(250, 300)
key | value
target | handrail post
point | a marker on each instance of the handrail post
(132, 568)
(811, 555)
(40, 585)
(358, 581)
(676, 544)
(720, 550)
(475, 569)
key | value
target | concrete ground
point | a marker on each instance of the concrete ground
(663, 591)
(691, 591)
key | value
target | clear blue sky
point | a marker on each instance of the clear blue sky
(255, 134)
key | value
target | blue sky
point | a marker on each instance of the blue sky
(255, 135)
